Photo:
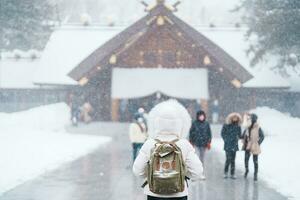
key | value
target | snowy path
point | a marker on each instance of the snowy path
(106, 175)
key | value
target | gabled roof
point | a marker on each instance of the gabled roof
(66, 48)
(100, 56)
(79, 42)
(265, 78)
(96, 58)
(233, 41)
(216, 51)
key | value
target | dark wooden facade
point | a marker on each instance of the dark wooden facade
(161, 40)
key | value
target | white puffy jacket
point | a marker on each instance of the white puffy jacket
(193, 164)
(136, 135)
(168, 121)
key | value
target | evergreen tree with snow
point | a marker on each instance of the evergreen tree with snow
(25, 24)
(274, 25)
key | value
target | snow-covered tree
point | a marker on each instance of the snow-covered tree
(274, 25)
(25, 24)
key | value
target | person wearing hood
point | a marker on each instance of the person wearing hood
(200, 135)
(137, 134)
(168, 122)
(231, 133)
(253, 136)
(142, 112)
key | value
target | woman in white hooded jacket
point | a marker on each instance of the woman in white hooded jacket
(168, 121)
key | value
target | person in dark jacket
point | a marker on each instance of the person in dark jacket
(231, 133)
(253, 136)
(200, 135)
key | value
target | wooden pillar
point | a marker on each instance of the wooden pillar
(204, 106)
(115, 104)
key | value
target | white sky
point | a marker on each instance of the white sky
(127, 11)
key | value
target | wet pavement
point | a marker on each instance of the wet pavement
(106, 175)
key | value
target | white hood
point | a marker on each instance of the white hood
(169, 118)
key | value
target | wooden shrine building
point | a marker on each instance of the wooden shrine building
(158, 57)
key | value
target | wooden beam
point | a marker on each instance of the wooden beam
(115, 104)
(204, 106)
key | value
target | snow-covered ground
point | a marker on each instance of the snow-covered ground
(35, 141)
(279, 163)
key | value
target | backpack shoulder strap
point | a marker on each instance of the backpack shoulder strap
(144, 184)
(140, 127)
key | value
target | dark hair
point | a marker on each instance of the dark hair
(199, 113)
(136, 116)
(254, 118)
(235, 122)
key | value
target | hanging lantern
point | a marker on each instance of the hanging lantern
(113, 59)
(236, 83)
(160, 21)
(83, 81)
(206, 60)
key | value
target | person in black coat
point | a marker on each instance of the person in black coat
(200, 135)
(231, 133)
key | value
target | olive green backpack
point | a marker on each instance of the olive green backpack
(166, 169)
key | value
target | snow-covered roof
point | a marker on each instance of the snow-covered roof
(265, 78)
(69, 45)
(232, 40)
(178, 83)
(16, 70)
(66, 48)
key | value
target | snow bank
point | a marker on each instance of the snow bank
(34, 141)
(278, 124)
(51, 117)
(279, 162)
